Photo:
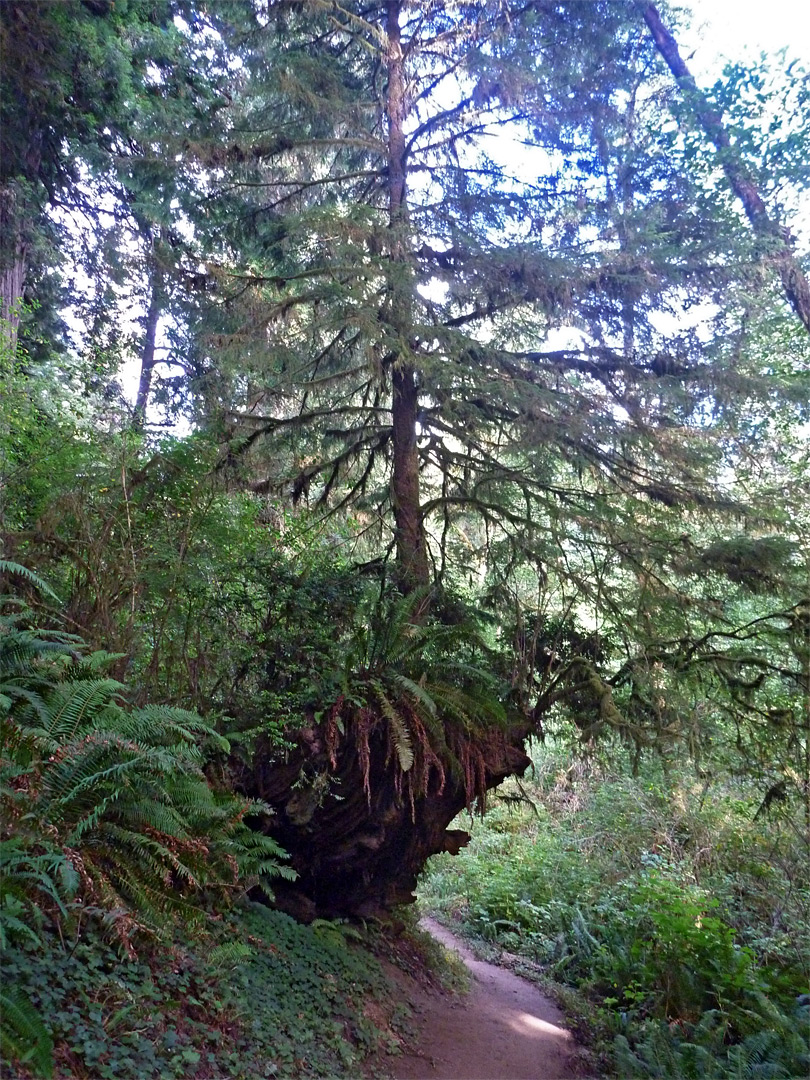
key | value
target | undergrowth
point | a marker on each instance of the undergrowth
(129, 948)
(679, 920)
(257, 995)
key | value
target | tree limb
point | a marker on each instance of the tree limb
(794, 281)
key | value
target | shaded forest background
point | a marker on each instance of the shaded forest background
(471, 371)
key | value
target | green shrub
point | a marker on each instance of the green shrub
(106, 814)
(679, 917)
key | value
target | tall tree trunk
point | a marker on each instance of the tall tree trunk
(12, 267)
(148, 354)
(794, 281)
(412, 561)
(17, 215)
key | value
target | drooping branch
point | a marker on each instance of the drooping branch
(794, 280)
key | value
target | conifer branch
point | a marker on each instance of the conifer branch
(794, 280)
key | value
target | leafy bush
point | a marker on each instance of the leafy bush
(215, 600)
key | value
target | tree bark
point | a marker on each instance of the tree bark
(794, 281)
(412, 562)
(12, 268)
(358, 849)
(148, 354)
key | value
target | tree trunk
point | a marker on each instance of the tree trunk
(148, 354)
(794, 281)
(359, 828)
(12, 268)
(355, 837)
(412, 563)
(17, 214)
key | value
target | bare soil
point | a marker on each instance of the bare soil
(504, 1029)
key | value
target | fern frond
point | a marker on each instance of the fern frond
(178, 725)
(474, 712)
(127, 847)
(96, 661)
(73, 704)
(397, 725)
(415, 690)
(15, 692)
(20, 650)
(15, 569)
(23, 1035)
(161, 817)
(229, 954)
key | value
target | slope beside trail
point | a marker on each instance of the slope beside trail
(504, 1029)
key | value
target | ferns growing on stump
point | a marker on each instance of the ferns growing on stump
(408, 732)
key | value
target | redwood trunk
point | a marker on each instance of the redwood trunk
(360, 855)
(12, 268)
(16, 219)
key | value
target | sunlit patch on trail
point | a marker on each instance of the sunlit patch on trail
(527, 1024)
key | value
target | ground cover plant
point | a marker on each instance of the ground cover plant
(129, 945)
(253, 995)
(677, 913)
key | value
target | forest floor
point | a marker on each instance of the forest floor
(503, 1029)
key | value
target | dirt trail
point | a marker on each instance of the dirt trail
(504, 1029)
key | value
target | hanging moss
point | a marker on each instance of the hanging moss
(758, 563)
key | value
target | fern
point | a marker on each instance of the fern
(23, 1035)
(397, 725)
(780, 1051)
(109, 803)
(75, 705)
(230, 954)
(419, 680)
(15, 569)
(420, 695)
(175, 725)
(124, 789)
(258, 856)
